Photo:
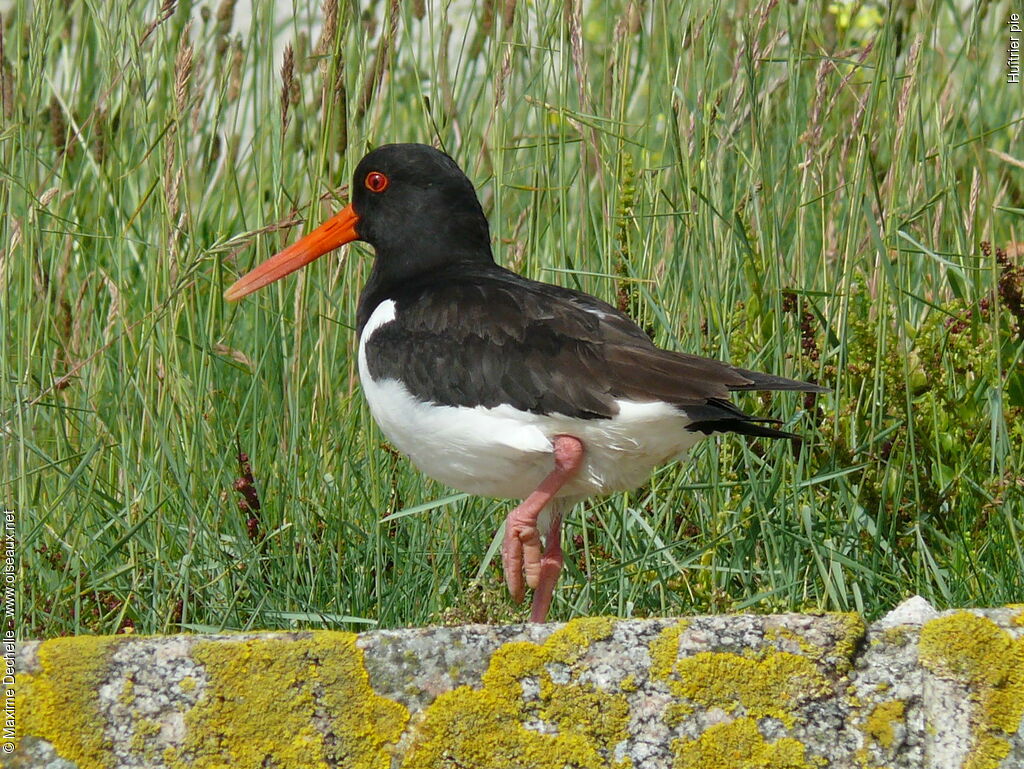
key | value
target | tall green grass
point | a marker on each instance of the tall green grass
(776, 184)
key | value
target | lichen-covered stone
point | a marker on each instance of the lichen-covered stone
(987, 661)
(915, 689)
(59, 702)
(763, 690)
(885, 720)
(537, 706)
(740, 742)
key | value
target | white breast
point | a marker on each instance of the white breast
(504, 452)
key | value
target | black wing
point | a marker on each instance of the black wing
(489, 336)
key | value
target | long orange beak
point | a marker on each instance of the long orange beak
(336, 231)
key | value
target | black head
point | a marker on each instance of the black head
(412, 203)
(418, 210)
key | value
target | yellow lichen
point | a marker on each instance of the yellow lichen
(759, 683)
(144, 730)
(739, 743)
(851, 629)
(147, 726)
(59, 703)
(783, 633)
(771, 685)
(127, 693)
(879, 725)
(976, 652)
(486, 728)
(265, 699)
(897, 635)
(665, 649)
(187, 684)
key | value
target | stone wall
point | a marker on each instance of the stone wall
(915, 689)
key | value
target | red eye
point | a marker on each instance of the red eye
(376, 181)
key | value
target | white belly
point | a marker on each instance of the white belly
(505, 452)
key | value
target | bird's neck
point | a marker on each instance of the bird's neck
(397, 275)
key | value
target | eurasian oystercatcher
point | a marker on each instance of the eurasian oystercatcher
(503, 386)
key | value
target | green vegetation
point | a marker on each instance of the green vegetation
(827, 191)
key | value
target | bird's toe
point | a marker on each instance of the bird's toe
(521, 557)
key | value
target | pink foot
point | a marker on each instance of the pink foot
(521, 552)
(550, 568)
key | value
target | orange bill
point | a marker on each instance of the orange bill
(336, 231)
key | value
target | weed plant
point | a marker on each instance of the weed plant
(830, 191)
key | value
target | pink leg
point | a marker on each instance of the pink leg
(550, 568)
(521, 549)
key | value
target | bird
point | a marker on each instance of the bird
(499, 385)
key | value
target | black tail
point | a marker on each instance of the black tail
(721, 416)
(759, 381)
(748, 426)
